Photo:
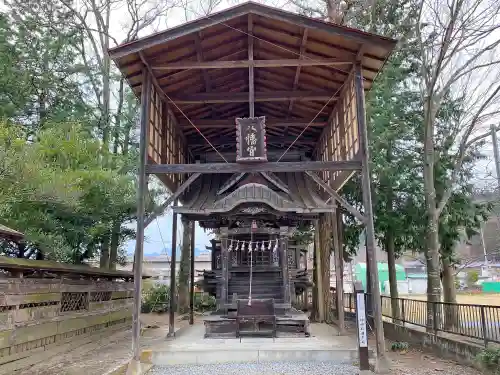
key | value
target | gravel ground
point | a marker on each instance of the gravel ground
(283, 368)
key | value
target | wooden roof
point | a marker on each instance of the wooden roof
(283, 192)
(11, 234)
(299, 64)
(19, 264)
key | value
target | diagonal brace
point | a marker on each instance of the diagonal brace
(170, 199)
(337, 197)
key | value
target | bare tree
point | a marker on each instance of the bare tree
(460, 59)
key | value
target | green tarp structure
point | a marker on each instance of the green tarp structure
(383, 273)
(491, 286)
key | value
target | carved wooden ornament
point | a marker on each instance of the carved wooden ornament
(251, 140)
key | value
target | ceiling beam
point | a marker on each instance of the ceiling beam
(270, 122)
(242, 97)
(276, 167)
(217, 140)
(239, 64)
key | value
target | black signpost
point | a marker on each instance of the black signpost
(251, 140)
(362, 332)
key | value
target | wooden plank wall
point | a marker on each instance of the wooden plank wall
(165, 143)
(340, 140)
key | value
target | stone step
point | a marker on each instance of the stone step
(240, 354)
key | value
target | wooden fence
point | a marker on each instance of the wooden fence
(46, 304)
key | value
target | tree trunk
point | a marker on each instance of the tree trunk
(318, 269)
(104, 260)
(449, 295)
(315, 293)
(325, 270)
(369, 300)
(183, 289)
(115, 243)
(432, 239)
(393, 284)
(106, 78)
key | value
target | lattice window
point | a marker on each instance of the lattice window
(38, 304)
(100, 296)
(7, 308)
(74, 301)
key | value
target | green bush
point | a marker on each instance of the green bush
(489, 359)
(156, 299)
(204, 302)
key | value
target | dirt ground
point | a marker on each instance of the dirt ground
(417, 363)
(105, 354)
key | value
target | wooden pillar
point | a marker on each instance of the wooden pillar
(318, 265)
(173, 260)
(382, 361)
(251, 93)
(339, 282)
(191, 274)
(224, 266)
(141, 203)
(284, 264)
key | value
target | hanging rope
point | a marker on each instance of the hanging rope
(254, 226)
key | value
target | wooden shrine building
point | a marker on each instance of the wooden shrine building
(254, 118)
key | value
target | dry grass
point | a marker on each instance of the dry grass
(473, 299)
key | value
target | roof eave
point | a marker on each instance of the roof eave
(241, 10)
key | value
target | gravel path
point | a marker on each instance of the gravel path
(283, 368)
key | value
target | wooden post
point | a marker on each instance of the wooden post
(141, 202)
(338, 270)
(361, 330)
(191, 274)
(382, 364)
(284, 265)
(173, 260)
(318, 272)
(251, 93)
(224, 266)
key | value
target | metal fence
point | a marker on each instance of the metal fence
(480, 322)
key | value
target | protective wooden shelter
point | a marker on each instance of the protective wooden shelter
(299, 81)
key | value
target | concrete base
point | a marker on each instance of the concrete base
(323, 345)
(382, 365)
(134, 367)
(253, 356)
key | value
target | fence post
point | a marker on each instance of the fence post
(403, 319)
(361, 326)
(483, 326)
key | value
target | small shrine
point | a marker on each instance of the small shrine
(254, 217)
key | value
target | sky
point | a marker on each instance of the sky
(158, 236)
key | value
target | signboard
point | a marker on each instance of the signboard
(361, 315)
(251, 139)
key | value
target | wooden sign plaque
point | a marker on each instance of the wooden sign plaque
(251, 140)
